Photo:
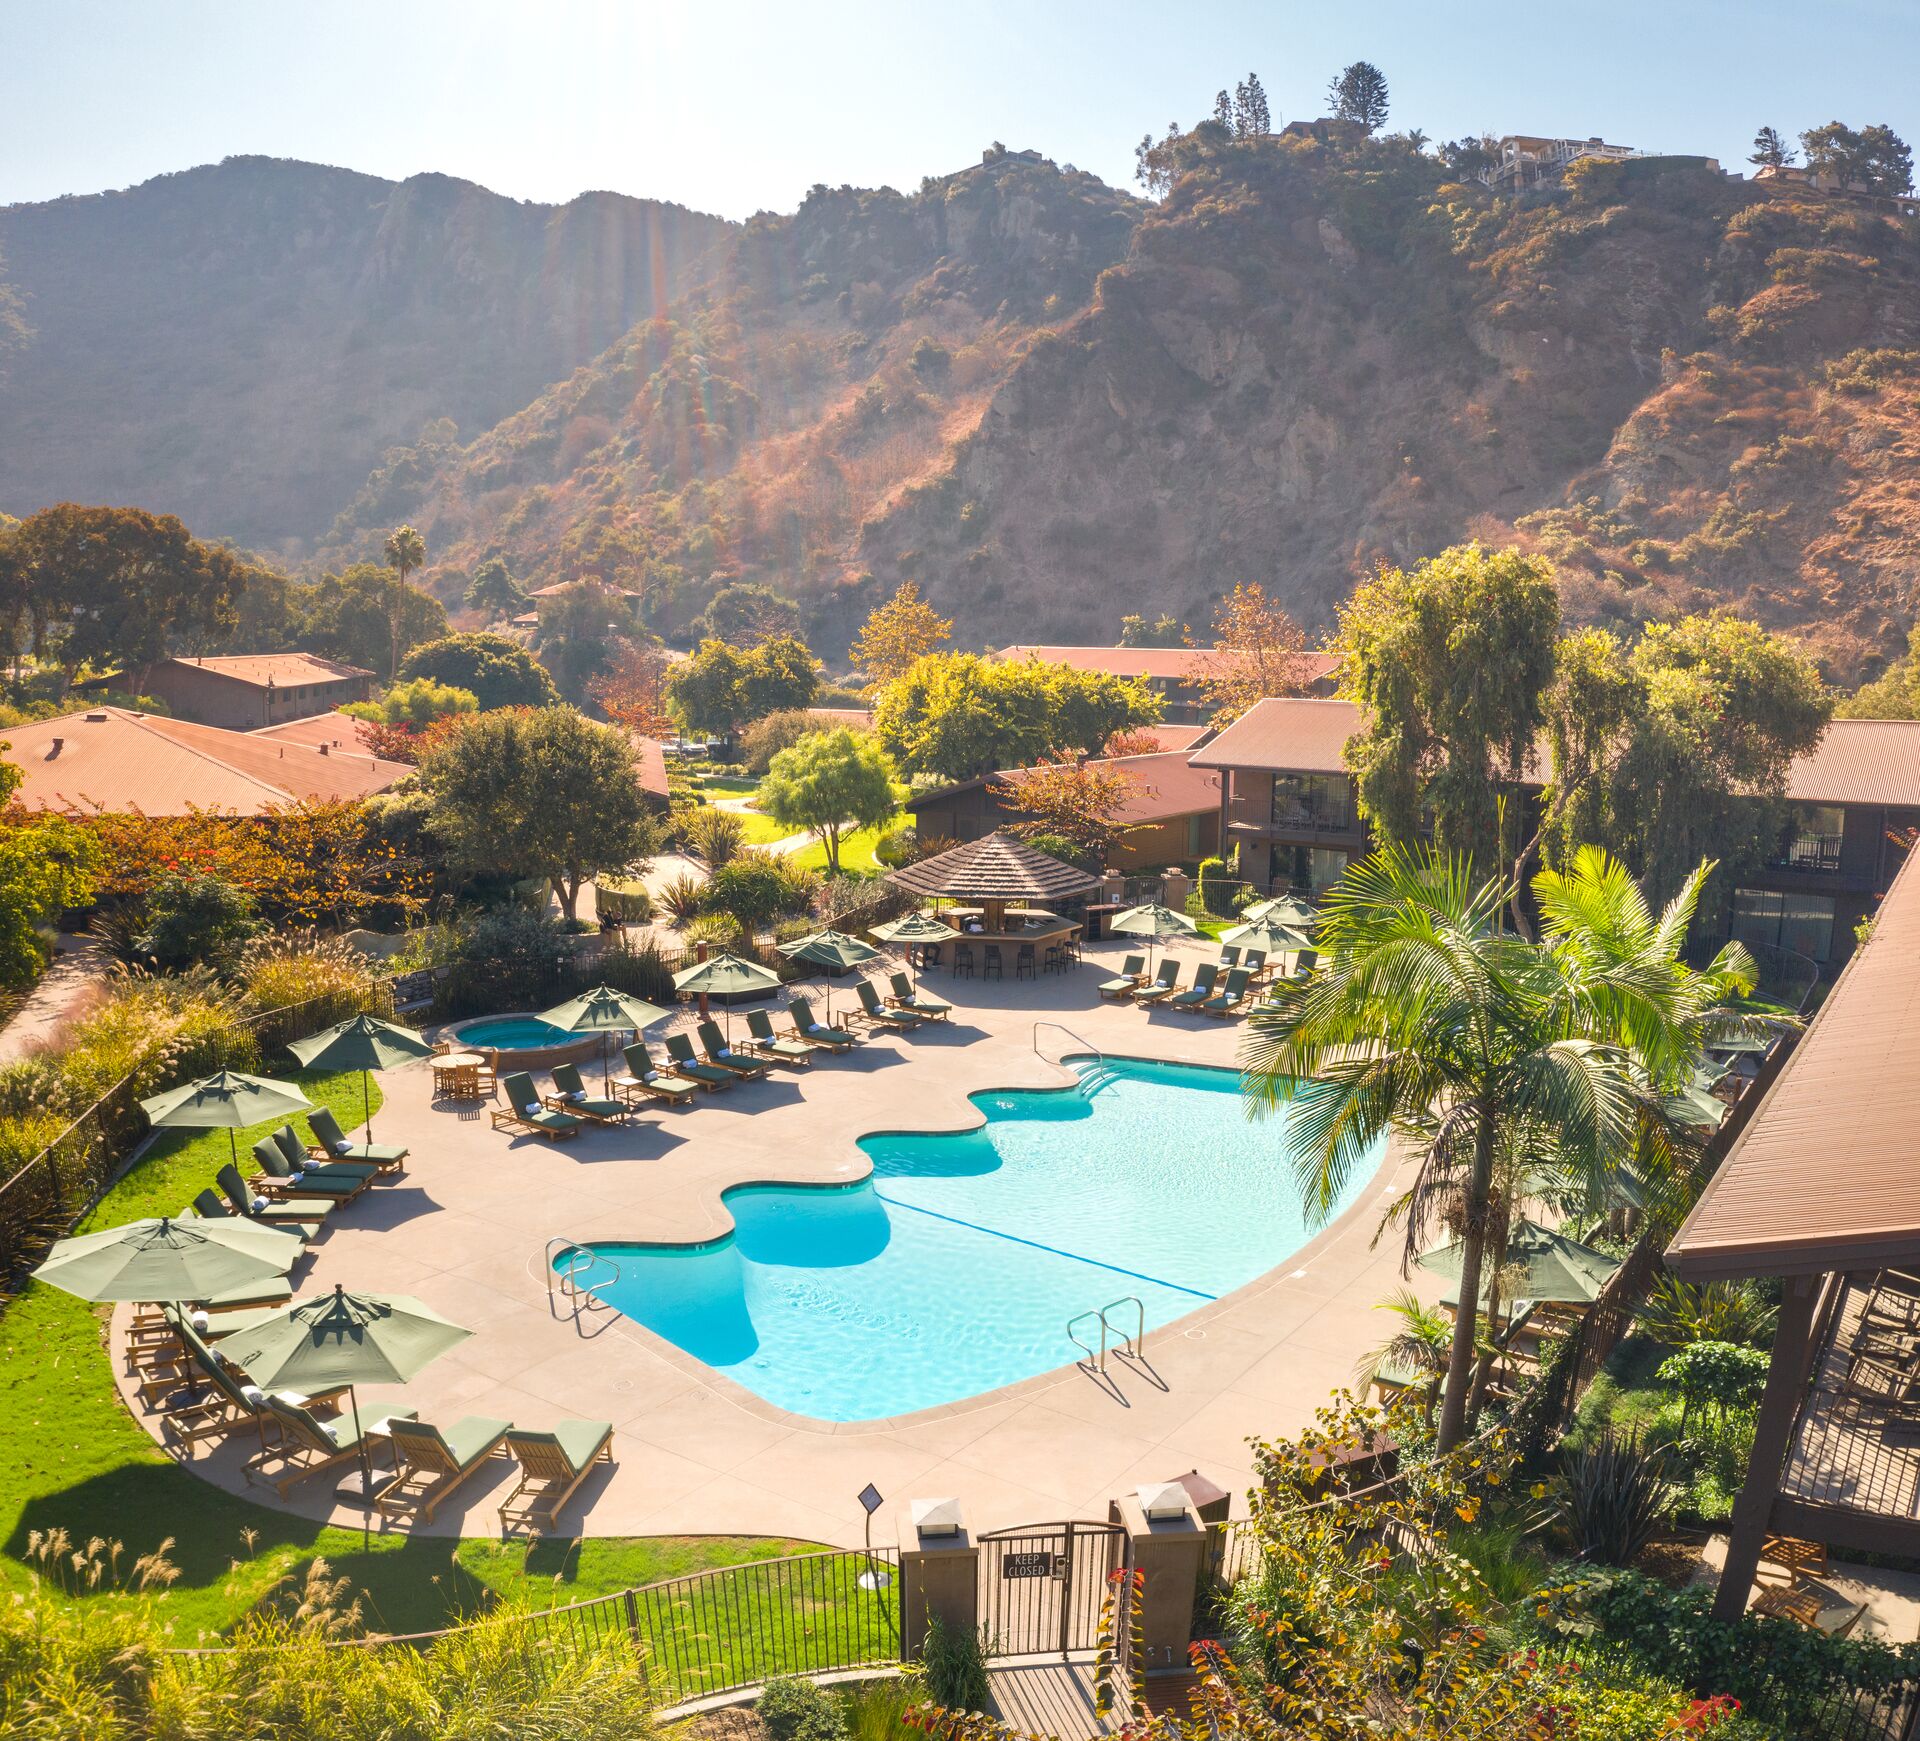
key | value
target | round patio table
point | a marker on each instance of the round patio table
(457, 1075)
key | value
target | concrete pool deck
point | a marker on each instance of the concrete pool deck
(464, 1229)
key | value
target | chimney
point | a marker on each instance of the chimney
(58, 745)
(325, 750)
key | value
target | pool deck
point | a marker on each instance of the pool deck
(696, 1454)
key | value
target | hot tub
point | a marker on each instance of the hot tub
(525, 1042)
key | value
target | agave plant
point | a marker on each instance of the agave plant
(1618, 1495)
(682, 897)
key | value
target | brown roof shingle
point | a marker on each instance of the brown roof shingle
(1297, 733)
(1861, 761)
(282, 670)
(1166, 664)
(995, 867)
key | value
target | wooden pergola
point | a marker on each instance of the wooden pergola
(996, 877)
(1822, 1190)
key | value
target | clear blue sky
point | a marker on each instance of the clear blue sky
(734, 106)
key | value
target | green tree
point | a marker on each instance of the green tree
(1427, 1018)
(1359, 94)
(582, 629)
(46, 867)
(117, 586)
(417, 701)
(1163, 631)
(953, 716)
(406, 551)
(351, 616)
(1886, 162)
(722, 688)
(1894, 694)
(542, 792)
(1251, 118)
(496, 671)
(196, 920)
(832, 783)
(494, 590)
(1450, 663)
(895, 634)
(1770, 150)
(745, 613)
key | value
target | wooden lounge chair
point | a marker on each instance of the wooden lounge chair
(1889, 1387)
(433, 1464)
(211, 1206)
(1227, 1000)
(1132, 970)
(1201, 989)
(552, 1466)
(299, 1155)
(330, 1142)
(279, 1177)
(920, 1002)
(215, 1399)
(834, 1039)
(1303, 965)
(643, 1078)
(1163, 982)
(714, 1044)
(308, 1446)
(522, 1110)
(570, 1095)
(875, 1014)
(301, 1214)
(776, 1048)
(709, 1076)
(1255, 962)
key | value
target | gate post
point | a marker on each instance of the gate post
(1167, 1545)
(939, 1572)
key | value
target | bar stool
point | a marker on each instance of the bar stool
(1023, 967)
(1056, 961)
(990, 968)
(963, 961)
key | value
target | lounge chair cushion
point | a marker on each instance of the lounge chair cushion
(578, 1441)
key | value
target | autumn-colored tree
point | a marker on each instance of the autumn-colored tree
(403, 740)
(1258, 651)
(1079, 802)
(406, 551)
(632, 691)
(1132, 740)
(897, 633)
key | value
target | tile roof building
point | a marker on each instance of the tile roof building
(1175, 673)
(245, 691)
(109, 758)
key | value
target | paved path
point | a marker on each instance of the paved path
(699, 1454)
(743, 806)
(78, 965)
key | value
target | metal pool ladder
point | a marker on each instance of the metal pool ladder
(1091, 1081)
(1112, 1338)
(577, 1257)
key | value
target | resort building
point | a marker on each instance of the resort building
(1176, 674)
(1287, 803)
(1174, 818)
(243, 692)
(1820, 1191)
(112, 759)
(1526, 159)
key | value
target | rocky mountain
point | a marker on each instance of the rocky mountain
(238, 344)
(1046, 401)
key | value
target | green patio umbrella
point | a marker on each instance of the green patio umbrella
(830, 949)
(168, 1260)
(1552, 1266)
(725, 973)
(227, 1101)
(919, 926)
(361, 1043)
(604, 1011)
(1153, 921)
(342, 1338)
(1267, 935)
(1287, 910)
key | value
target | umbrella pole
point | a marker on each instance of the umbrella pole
(366, 1103)
(366, 1471)
(233, 1149)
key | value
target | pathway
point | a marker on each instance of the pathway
(743, 806)
(78, 966)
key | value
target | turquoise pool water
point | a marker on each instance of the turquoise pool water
(514, 1033)
(955, 1268)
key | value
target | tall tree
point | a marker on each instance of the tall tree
(1077, 802)
(541, 792)
(1770, 150)
(745, 613)
(1894, 694)
(1426, 1017)
(494, 590)
(1359, 94)
(721, 688)
(1258, 650)
(499, 672)
(579, 630)
(832, 782)
(352, 615)
(1835, 150)
(406, 552)
(1250, 117)
(1450, 662)
(1886, 162)
(632, 691)
(1223, 111)
(895, 634)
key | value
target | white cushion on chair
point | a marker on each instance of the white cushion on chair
(529, 1109)
(341, 1148)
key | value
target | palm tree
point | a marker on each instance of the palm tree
(1419, 1345)
(1482, 1048)
(406, 551)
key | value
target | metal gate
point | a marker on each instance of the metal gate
(1042, 1586)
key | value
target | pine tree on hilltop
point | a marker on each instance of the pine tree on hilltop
(1359, 95)
(1251, 117)
(1770, 149)
(1223, 111)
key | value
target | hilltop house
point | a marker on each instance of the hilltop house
(1526, 159)
(245, 691)
(1287, 804)
(1176, 674)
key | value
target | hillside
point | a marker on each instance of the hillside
(239, 343)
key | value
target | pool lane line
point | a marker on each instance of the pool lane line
(1071, 1256)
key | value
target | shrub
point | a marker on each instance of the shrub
(505, 960)
(627, 902)
(195, 921)
(716, 836)
(766, 738)
(293, 968)
(1720, 1376)
(636, 966)
(753, 889)
(794, 1709)
(897, 846)
(681, 897)
(1618, 1495)
(956, 1667)
(1678, 1313)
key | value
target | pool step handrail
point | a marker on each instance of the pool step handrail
(567, 1275)
(1113, 1340)
(1095, 1359)
(1092, 1081)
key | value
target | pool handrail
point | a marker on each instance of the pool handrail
(574, 1254)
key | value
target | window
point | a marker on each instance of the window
(1311, 803)
(1312, 868)
(1801, 923)
(1813, 838)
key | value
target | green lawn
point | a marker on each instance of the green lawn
(72, 1458)
(856, 850)
(728, 785)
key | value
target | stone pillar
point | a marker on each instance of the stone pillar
(1169, 1550)
(1175, 886)
(939, 1571)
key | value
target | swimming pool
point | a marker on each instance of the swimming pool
(514, 1033)
(953, 1270)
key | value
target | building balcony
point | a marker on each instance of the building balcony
(1815, 853)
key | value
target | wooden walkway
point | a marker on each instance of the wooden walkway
(1054, 1696)
(1852, 1458)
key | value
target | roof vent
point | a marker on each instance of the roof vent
(58, 745)
(97, 718)
(324, 749)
